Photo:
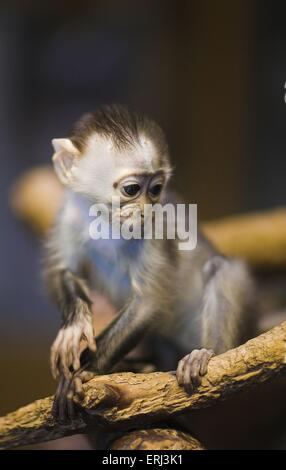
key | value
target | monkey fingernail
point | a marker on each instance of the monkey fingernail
(196, 380)
(92, 346)
(180, 380)
(76, 364)
(188, 388)
(79, 395)
(55, 374)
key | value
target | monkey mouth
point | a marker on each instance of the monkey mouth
(132, 218)
(131, 211)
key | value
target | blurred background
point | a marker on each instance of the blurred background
(212, 73)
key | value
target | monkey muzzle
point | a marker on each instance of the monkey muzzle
(133, 212)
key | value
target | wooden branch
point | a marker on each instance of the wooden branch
(259, 238)
(125, 400)
(156, 439)
(35, 198)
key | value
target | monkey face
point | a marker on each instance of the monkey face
(108, 146)
(137, 193)
(136, 175)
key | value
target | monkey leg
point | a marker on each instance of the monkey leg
(192, 367)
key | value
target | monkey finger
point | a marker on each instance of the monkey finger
(70, 403)
(180, 372)
(91, 344)
(85, 376)
(62, 360)
(199, 360)
(64, 368)
(78, 389)
(54, 359)
(90, 339)
(68, 357)
(71, 360)
(55, 410)
(194, 371)
(54, 364)
(76, 361)
(187, 380)
(57, 341)
(65, 365)
(63, 402)
(76, 348)
(76, 356)
(206, 355)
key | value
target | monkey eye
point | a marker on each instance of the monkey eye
(131, 189)
(156, 189)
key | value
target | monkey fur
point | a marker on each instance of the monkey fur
(186, 305)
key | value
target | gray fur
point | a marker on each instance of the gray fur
(182, 299)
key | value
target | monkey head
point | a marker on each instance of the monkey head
(113, 153)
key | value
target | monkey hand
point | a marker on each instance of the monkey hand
(69, 392)
(68, 345)
(192, 367)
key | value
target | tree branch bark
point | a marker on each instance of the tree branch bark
(156, 439)
(125, 400)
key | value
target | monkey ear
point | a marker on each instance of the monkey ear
(64, 159)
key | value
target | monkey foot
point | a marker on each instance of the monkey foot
(68, 392)
(192, 367)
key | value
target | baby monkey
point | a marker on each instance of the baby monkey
(186, 304)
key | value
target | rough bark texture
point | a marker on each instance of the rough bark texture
(125, 400)
(156, 439)
(259, 238)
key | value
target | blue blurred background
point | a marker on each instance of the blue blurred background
(212, 73)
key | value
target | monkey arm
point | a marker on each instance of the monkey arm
(66, 277)
(227, 317)
(121, 335)
(149, 299)
(112, 345)
(71, 294)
